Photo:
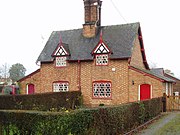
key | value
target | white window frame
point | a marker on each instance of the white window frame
(167, 87)
(60, 86)
(170, 89)
(100, 58)
(100, 88)
(61, 62)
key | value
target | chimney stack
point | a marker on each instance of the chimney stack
(92, 17)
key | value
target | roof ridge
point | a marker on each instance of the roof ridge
(100, 27)
(124, 24)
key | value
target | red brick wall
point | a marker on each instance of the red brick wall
(35, 79)
(91, 17)
(89, 30)
(119, 79)
(122, 88)
(158, 87)
(89, 73)
(94, 13)
(50, 74)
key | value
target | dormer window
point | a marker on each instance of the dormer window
(60, 55)
(60, 61)
(102, 59)
(101, 54)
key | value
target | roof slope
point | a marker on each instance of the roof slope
(119, 38)
(159, 72)
(153, 74)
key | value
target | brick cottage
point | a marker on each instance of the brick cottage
(106, 63)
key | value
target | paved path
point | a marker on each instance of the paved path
(152, 128)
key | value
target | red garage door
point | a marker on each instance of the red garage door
(145, 91)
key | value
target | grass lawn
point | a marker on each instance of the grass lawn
(171, 128)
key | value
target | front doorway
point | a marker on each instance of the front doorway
(30, 89)
(145, 91)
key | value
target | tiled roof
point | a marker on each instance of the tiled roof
(152, 74)
(119, 38)
(159, 72)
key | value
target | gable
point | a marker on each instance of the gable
(60, 51)
(101, 48)
(138, 57)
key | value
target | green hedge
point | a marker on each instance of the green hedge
(47, 101)
(92, 121)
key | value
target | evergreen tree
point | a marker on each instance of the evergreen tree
(16, 72)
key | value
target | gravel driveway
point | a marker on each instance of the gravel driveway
(156, 125)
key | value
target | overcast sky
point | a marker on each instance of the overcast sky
(25, 26)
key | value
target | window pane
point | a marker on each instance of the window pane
(60, 61)
(102, 59)
(102, 89)
(60, 87)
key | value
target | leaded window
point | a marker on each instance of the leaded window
(60, 86)
(101, 89)
(102, 59)
(60, 61)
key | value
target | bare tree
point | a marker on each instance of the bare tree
(167, 71)
(4, 72)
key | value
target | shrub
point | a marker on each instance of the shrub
(92, 121)
(44, 102)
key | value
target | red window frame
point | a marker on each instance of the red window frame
(62, 83)
(101, 89)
